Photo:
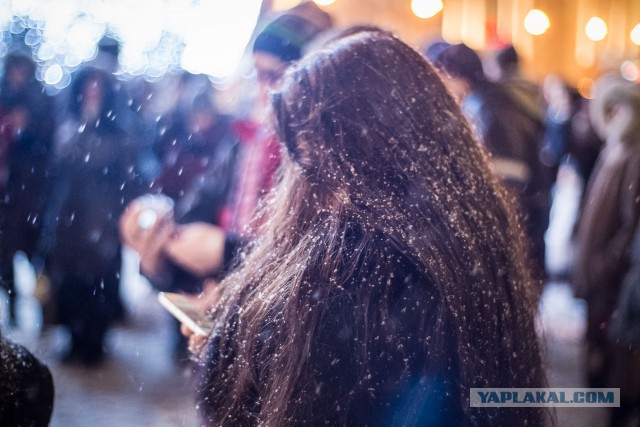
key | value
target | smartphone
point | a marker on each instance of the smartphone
(184, 309)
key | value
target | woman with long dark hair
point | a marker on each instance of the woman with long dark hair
(390, 275)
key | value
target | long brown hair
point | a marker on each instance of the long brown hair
(373, 140)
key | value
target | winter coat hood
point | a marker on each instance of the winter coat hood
(615, 110)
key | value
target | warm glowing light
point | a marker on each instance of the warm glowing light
(324, 2)
(426, 8)
(584, 87)
(536, 22)
(635, 35)
(629, 71)
(596, 29)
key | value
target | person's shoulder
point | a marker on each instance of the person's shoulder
(26, 386)
(493, 94)
(20, 366)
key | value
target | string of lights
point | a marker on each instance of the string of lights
(154, 37)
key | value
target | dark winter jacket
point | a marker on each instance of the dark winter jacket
(406, 385)
(625, 325)
(611, 212)
(26, 388)
(94, 178)
(513, 133)
(25, 153)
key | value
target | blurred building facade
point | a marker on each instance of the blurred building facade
(564, 47)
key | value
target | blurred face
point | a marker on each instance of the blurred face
(17, 77)
(268, 68)
(92, 99)
(200, 121)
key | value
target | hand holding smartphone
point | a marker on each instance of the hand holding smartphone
(187, 312)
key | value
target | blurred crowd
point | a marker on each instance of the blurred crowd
(170, 171)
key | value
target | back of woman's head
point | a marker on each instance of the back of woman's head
(366, 115)
(370, 125)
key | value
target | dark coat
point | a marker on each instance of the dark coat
(512, 133)
(612, 210)
(23, 194)
(603, 247)
(26, 387)
(94, 178)
(625, 326)
(405, 386)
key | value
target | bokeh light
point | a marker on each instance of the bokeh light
(53, 74)
(223, 43)
(584, 87)
(426, 8)
(536, 22)
(596, 29)
(324, 2)
(155, 37)
(635, 35)
(629, 71)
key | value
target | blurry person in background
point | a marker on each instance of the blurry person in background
(585, 144)
(525, 92)
(281, 42)
(569, 133)
(389, 275)
(625, 332)
(529, 99)
(203, 249)
(166, 114)
(141, 105)
(561, 104)
(432, 50)
(26, 387)
(94, 177)
(197, 162)
(512, 136)
(570, 149)
(26, 128)
(605, 234)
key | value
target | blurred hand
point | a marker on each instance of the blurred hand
(197, 247)
(205, 300)
(147, 229)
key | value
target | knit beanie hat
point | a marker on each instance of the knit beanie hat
(287, 35)
(460, 61)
